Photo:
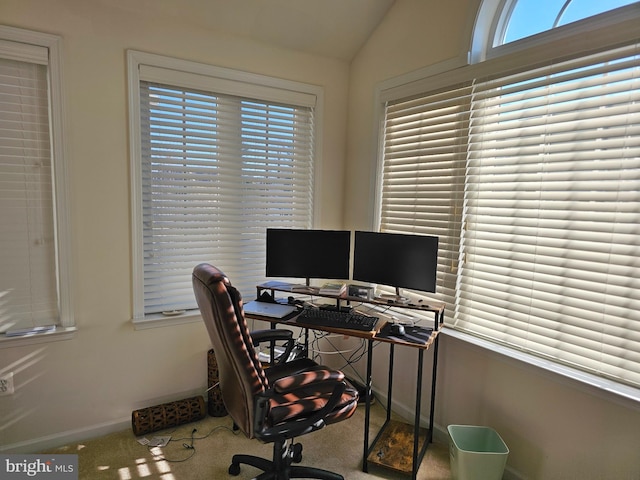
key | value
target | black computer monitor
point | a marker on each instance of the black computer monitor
(396, 260)
(297, 253)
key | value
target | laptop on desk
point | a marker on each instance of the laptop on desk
(266, 309)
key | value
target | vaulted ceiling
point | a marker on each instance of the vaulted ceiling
(333, 28)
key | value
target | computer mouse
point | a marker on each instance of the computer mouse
(397, 329)
(295, 301)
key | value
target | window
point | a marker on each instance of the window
(525, 18)
(423, 173)
(506, 27)
(35, 262)
(530, 170)
(550, 231)
(220, 156)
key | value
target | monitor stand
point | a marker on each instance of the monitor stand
(397, 298)
(306, 288)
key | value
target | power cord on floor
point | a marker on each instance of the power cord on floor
(190, 446)
(187, 446)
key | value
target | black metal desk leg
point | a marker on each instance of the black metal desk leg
(390, 384)
(367, 411)
(416, 426)
(433, 388)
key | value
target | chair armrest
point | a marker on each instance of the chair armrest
(273, 335)
(294, 428)
(259, 336)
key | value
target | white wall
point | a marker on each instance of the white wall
(93, 382)
(555, 428)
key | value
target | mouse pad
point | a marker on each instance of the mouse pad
(413, 334)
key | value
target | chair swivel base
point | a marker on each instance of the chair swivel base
(281, 467)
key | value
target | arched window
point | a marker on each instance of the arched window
(503, 26)
(524, 18)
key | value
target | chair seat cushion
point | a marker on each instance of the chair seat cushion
(300, 403)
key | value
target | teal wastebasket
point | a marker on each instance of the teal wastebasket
(476, 453)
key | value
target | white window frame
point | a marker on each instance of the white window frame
(226, 80)
(597, 36)
(26, 40)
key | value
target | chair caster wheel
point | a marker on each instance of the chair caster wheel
(234, 469)
(297, 453)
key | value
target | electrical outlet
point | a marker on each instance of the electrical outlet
(6, 384)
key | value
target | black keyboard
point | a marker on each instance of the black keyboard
(337, 319)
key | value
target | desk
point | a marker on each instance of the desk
(378, 452)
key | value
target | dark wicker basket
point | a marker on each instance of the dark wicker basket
(167, 415)
(214, 399)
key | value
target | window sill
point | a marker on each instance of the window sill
(158, 320)
(623, 394)
(60, 333)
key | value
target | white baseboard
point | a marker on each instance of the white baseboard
(440, 434)
(55, 440)
(48, 442)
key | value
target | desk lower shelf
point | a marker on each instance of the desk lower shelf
(393, 448)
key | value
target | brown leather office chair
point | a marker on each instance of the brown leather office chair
(276, 404)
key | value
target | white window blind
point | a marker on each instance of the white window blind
(217, 170)
(423, 173)
(28, 281)
(541, 207)
(551, 242)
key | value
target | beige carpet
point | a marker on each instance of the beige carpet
(337, 447)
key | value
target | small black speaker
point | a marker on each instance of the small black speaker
(361, 291)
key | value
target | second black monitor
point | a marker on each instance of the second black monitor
(299, 253)
(396, 260)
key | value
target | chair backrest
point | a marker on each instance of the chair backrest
(240, 373)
